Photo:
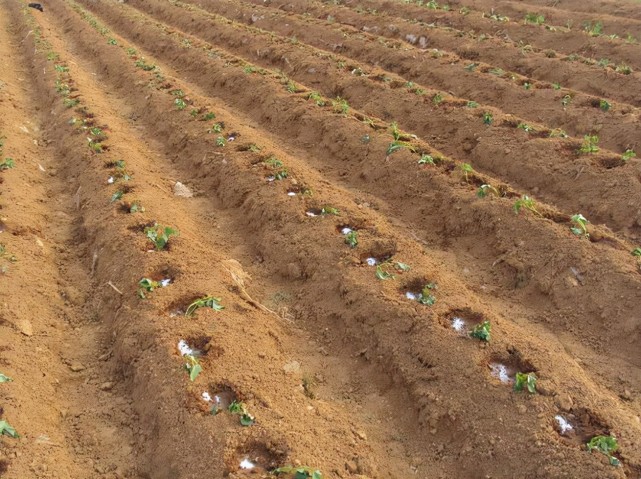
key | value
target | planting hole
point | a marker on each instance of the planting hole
(462, 320)
(262, 457)
(563, 425)
(247, 464)
(505, 366)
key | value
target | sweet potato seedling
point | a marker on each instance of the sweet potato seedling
(239, 408)
(628, 155)
(589, 144)
(5, 379)
(525, 380)
(159, 235)
(604, 105)
(485, 190)
(180, 103)
(482, 331)
(467, 170)
(340, 105)
(299, 472)
(534, 19)
(636, 252)
(220, 141)
(605, 445)
(488, 118)
(205, 302)
(472, 104)
(316, 98)
(525, 202)
(580, 225)
(146, 285)
(7, 430)
(426, 160)
(426, 297)
(351, 239)
(216, 128)
(193, 367)
(7, 163)
(382, 274)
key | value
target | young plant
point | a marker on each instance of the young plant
(488, 118)
(535, 19)
(589, 144)
(471, 104)
(604, 105)
(70, 102)
(136, 207)
(624, 69)
(382, 274)
(426, 160)
(426, 297)
(220, 141)
(193, 367)
(485, 190)
(482, 331)
(525, 380)
(636, 252)
(316, 98)
(397, 144)
(7, 163)
(628, 155)
(7, 430)
(147, 285)
(159, 235)
(5, 379)
(299, 472)
(216, 128)
(580, 225)
(117, 196)
(556, 86)
(605, 445)
(239, 408)
(437, 99)
(329, 210)
(205, 302)
(466, 169)
(525, 127)
(208, 116)
(140, 63)
(351, 239)
(525, 202)
(340, 105)
(593, 29)
(180, 103)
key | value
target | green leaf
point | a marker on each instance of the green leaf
(301, 474)
(525, 380)
(482, 331)
(382, 274)
(5, 379)
(247, 419)
(194, 371)
(236, 407)
(7, 430)
(402, 266)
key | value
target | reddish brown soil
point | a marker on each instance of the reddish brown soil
(340, 370)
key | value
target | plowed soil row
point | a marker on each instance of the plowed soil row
(338, 367)
(490, 149)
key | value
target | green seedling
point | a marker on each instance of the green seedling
(580, 225)
(95, 146)
(273, 162)
(437, 99)
(482, 331)
(193, 367)
(220, 141)
(589, 144)
(636, 252)
(426, 160)
(558, 133)
(629, 38)
(112, 41)
(5, 379)
(216, 128)
(499, 72)
(178, 93)
(7, 430)
(488, 118)
(426, 297)
(628, 155)
(281, 174)
(131, 51)
(382, 274)
(291, 87)
(604, 105)
(605, 445)
(525, 127)
(136, 207)
(250, 69)
(472, 104)
(147, 285)
(117, 196)
(340, 105)
(467, 170)
(299, 472)
(159, 235)
(61, 69)
(471, 67)
(70, 102)
(237, 407)
(205, 302)
(351, 239)
(253, 148)
(485, 190)
(593, 29)
(7, 164)
(316, 98)
(140, 63)
(180, 103)
(525, 380)
(208, 116)
(527, 203)
(330, 210)
(556, 86)
(527, 85)
(624, 69)
(535, 19)
(402, 267)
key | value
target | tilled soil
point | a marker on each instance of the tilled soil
(342, 179)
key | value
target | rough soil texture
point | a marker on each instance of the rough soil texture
(259, 131)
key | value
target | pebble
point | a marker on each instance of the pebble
(25, 327)
(107, 386)
(77, 367)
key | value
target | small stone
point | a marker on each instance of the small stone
(563, 402)
(361, 435)
(291, 367)
(77, 367)
(351, 467)
(182, 190)
(107, 386)
(627, 395)
(261, 355)
(25, 327)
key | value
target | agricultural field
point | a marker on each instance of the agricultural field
(313, 239)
